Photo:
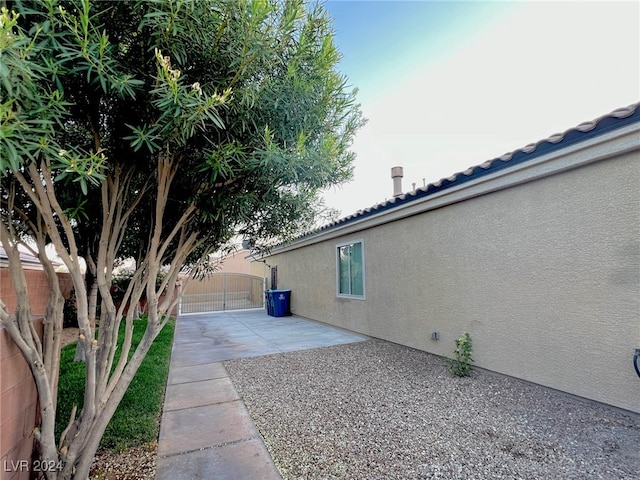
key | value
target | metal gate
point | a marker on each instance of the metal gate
(223, 291)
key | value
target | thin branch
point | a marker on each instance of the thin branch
(63, 435)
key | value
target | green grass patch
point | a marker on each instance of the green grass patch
(137, 418)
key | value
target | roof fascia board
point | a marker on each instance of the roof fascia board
(598, 148)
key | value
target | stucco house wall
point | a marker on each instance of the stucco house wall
(235, 263)
(539, 263)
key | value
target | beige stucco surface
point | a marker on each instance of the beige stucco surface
(545, 276)
(237, 262)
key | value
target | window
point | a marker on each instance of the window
(350, 266)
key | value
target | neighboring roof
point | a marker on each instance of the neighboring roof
(606, 123)
(25, 257)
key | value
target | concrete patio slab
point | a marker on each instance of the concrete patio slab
(198, 394)
(194, 373)
(206, 431)
(248, 459)
(204, 427)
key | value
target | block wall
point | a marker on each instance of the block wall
(18, 409)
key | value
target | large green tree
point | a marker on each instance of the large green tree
(156, 129)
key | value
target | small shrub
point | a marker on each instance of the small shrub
(461, 364)
(120, 283)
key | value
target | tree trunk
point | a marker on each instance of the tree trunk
(101, 419)
(92, 284)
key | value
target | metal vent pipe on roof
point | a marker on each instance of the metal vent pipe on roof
(397, 174)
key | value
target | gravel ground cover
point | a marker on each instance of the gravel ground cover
(377, 410)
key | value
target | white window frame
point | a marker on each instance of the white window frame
(337, 250)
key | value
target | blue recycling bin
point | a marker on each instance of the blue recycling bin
(281, 302)
(268, 302)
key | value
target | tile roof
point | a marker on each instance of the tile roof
(25, 257)
(612, 121)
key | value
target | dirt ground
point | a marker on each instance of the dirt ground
(69, 335)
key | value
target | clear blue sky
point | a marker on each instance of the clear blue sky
(448, 85)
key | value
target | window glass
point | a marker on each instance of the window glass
(356, 269)
(351, 269)
(344, 261)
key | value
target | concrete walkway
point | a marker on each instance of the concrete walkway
(206, 431)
